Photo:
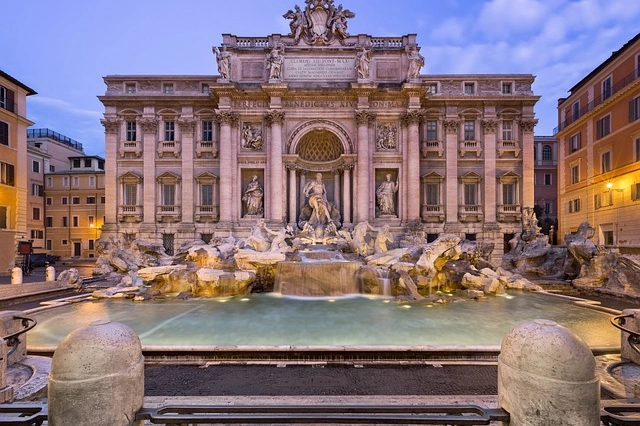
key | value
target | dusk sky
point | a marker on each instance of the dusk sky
(62, 49)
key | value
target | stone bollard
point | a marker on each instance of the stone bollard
(16, 275)
(547, 376)
(50, 273)
(97, 377)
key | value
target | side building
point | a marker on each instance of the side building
(13, 168)
(47, 152)
(599, 151)
(192, 157)
(546, 185)
(74, 207)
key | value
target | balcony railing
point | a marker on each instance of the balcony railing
(470, 146)
(207, 148)
(47, 133)
(470, 213)
(130, 213)
(508, 146)
(432, 146)
(168, 213)
(130, 147)
(432, 213)
(509, 212)
(207, 213)
(169, 147)
(619, 85)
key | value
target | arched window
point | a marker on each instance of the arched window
(547, 154)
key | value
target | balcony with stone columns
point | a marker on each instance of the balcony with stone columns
(432, 147)
(470, 146)
(171, 148)
(505, 146)
(470, 213)
(432, 213)
(130, 149)
(168, 213)
(509, 213)
(130, 213)
(206, 149)
(205, 214)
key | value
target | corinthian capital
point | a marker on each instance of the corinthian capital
(110, 125)
(364, 117)
(527, 125)
(148, 125)
(411, 117)
(451, 126)
(274, 116)
(227, 117)
(187, 125)
(489, 126)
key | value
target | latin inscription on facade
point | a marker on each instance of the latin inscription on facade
(319, 69)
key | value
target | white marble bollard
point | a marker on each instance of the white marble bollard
(547, 376)
(16, 275)
(50, 273)
(97, 377)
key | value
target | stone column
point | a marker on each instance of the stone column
(277, 188)
(412, 193)
(363, 176)
(526, 127)
(490, 196)
(226, 119)
(149, 136)
(293, 193)
(111, 189)
(187, 127)
(451, 182)
(346, 194)
(336, 188)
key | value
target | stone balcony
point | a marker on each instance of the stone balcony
(169, 148)
(130, 149)
(505, 146)
(432, 213)
(206, 149)
(435, 147)
(168, 213)
(509, 213)
(474, 147)
(207, 214)
(470, 213)
(130, 213)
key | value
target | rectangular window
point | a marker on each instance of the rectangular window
(3, 217)
(76, 181)
(167, 88)
(575, 142)
(432, 88)
(76, 163)
(91, 220)
(509, 194)
(575, 111)
(433, 194)
(169, 130)
(64, 201)
(91, 245)
(432, 130)
(130, 194)
(605, 162)
(205, 89)
(76, 221)
(87, 163)
(547, 208)
(7, 97)
(65, 222)
(65, 181)
(574, 205)
(547, 179)
(52, 168)
(92, 181)
(7, 174)
(637, 146)
(37, 190)
(91, 200)
(168, 194)
(207, 131)
(4, 133)
(102, 199)
(469, 130)
(634, 109)
(575, 174)
(206, 195)
(507, 130)
(49, 201)
(49, 245)
(64, 242)
(75, 200)
(607, 237)
(48, 221)
(49, 182)
(603, 127)
(469, 88)
(470, 194)
(130, 88)
(507, 88)
(606, 88)
(36, 213)
(35, 166)
(131, 131)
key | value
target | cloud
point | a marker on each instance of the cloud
(64, 107)
(500, 19)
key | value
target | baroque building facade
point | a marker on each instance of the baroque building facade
(192, 157)
(599, 152)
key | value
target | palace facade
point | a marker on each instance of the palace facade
(197, 157)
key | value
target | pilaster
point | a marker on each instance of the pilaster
(412, 192)
(227, 119)
(364, 119)
(526, 128)
(490, 184)
(111, 126)
(149, 128)
(451, 146)
(187, 128)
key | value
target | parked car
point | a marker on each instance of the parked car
(42, 259)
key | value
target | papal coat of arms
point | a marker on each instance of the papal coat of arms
(319, 23)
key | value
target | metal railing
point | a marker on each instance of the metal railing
(13, 340)
(621, 415)
(633, 338)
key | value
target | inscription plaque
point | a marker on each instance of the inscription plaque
(319, 68)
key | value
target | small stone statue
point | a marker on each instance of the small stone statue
(386, 194)
(363, 58)
(224, 62)
(384, 236)
(275, 59)
(416, 61)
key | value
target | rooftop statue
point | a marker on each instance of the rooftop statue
(319, 23)
(224, 62)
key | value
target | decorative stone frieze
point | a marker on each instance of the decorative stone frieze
(527, 125)
(148, 125)
(227, 117)
(274, 116)
(387, 137)
(364, 117)
(411, 117)
(187, 125)
(489, 126)
(451, 126)
(110, 125)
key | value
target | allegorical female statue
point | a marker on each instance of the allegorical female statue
(252, 197)
(386, 195)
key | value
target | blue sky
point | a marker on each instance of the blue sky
(63, 48)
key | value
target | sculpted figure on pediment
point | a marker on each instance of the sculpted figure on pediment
(224, 62)
(319, 23)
